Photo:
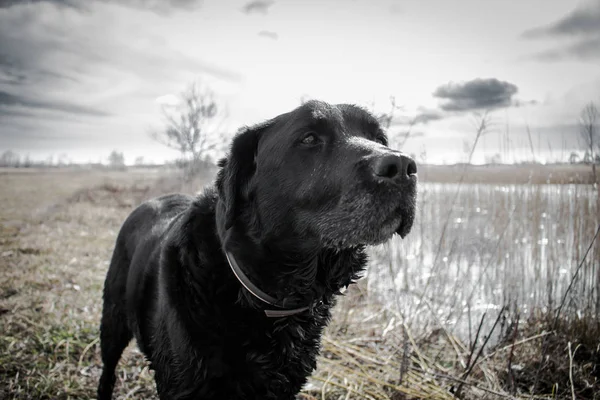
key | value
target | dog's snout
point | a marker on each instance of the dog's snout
(394, 167)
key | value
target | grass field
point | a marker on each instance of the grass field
(483, 261)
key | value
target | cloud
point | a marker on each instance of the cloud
(157, 6)
(65, 73)
(8, 100)
(475, 94)
(524, 103)
(74, 56)
(458, 98)
(65, 3)
(581, 26)
(424, 117)
(257, 6)
(269, 35)
(421, 116)
(584, 20)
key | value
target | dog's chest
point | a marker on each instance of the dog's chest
(280, 355)
(282, 343)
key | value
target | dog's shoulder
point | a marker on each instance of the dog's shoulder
(160, 208)
(191, 238)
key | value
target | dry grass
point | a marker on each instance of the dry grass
(407, 331)
(56, 237)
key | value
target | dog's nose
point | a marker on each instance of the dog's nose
(394, 167)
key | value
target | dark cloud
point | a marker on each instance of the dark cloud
(476, 94)
(457, 98)
(257, 6)
(16, 70)
(524, 103)
(269, 35)
(584, 20)
(424, 117)
(582, 25)
(40, 57)
(158, 6)
(65, 72)
(10, 73)
(11, 100)
(65, 3)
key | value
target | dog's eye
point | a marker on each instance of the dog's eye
(310, 138)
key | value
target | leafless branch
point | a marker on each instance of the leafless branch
(191, 125)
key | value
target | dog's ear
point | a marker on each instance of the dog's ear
(237, 169)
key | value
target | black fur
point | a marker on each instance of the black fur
(296, 215)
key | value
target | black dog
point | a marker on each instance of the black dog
(228, 293)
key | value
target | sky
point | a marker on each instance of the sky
(79, 78)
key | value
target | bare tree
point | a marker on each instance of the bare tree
(573, 158)
(589, 132)
(116, 160)
(10, 159)
(63, 159)
(193, 127)
(139, 160)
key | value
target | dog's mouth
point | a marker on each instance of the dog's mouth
(400, 221)
(404, 227)
(366, 217)
(377, 230)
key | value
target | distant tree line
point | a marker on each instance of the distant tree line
(12, 159)
(115, 160)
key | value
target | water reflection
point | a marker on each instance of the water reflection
(513, 245)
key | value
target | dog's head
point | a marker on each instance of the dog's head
(318, 173)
